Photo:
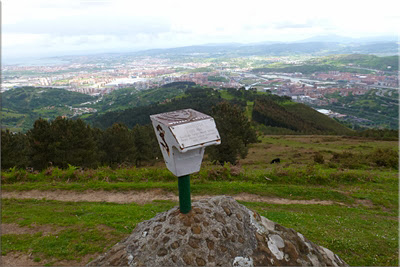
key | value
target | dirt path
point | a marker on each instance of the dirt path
(142, 197)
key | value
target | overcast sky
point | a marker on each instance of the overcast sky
(37, 28)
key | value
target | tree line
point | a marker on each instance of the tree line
(63, 142)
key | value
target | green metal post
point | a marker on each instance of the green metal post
(185, 204)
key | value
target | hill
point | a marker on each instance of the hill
(375, 109)
(201, 99)
(270, 110)
(23, 99)
(22, 106)
(345, 63)
(294, 116)
(387, 63)
(130, 97)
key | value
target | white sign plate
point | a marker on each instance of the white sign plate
(195, 133)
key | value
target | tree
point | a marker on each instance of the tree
(235, 131)
(14, 150)
(73, 144)
(62, 142)
(145, 144)
(117, 145)
(40, 140)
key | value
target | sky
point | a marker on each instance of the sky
(40, 28)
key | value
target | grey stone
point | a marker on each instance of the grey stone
(217, 232)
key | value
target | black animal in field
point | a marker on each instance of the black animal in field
(277, 160)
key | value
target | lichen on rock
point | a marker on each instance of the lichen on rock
(218, 231)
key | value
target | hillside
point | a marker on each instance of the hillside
(130, 97)
(201, 99)
(316, 119)
(22, 106)
(375, 109)
(28, 98)
(345, 63)
(341, 192)
(270, 110)
(295, 116)
(388, 63)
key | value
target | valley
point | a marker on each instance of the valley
(90, 86)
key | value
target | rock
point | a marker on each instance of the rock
(217, 232)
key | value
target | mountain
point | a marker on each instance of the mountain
(333, 38)
(320, 46)
(317, 46)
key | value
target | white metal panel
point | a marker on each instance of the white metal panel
(195, 133)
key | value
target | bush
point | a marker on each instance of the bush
(385, 158)
(319, 158)
(349, 160)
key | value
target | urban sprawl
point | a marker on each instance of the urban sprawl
(146, 73)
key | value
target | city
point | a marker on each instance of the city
(146, 73)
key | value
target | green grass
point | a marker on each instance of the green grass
(249, 109)
(226, 95)
(360, 236)
(380, 195)
(86, 228)
(363, 231)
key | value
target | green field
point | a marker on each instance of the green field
(354, 180)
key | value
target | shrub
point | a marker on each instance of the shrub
(385, 158)
(319, 158)
(348, 160)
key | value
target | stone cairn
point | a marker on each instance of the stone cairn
(218, 231)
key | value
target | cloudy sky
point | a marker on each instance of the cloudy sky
(37, 28)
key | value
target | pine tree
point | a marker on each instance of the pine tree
(40, 141)
(235, 131)
(14, 150)
(117, 145)
(73, 144)
(145, 144)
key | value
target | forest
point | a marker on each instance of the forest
(65, 142)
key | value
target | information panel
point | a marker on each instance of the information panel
(195, 133)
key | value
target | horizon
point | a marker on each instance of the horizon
(51, 59)
(46, 28)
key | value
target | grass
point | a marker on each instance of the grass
(360, 236)
(363, 231)
(86, 228)
(226, 95)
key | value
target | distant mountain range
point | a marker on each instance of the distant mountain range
(342, 39)
(317, 46)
